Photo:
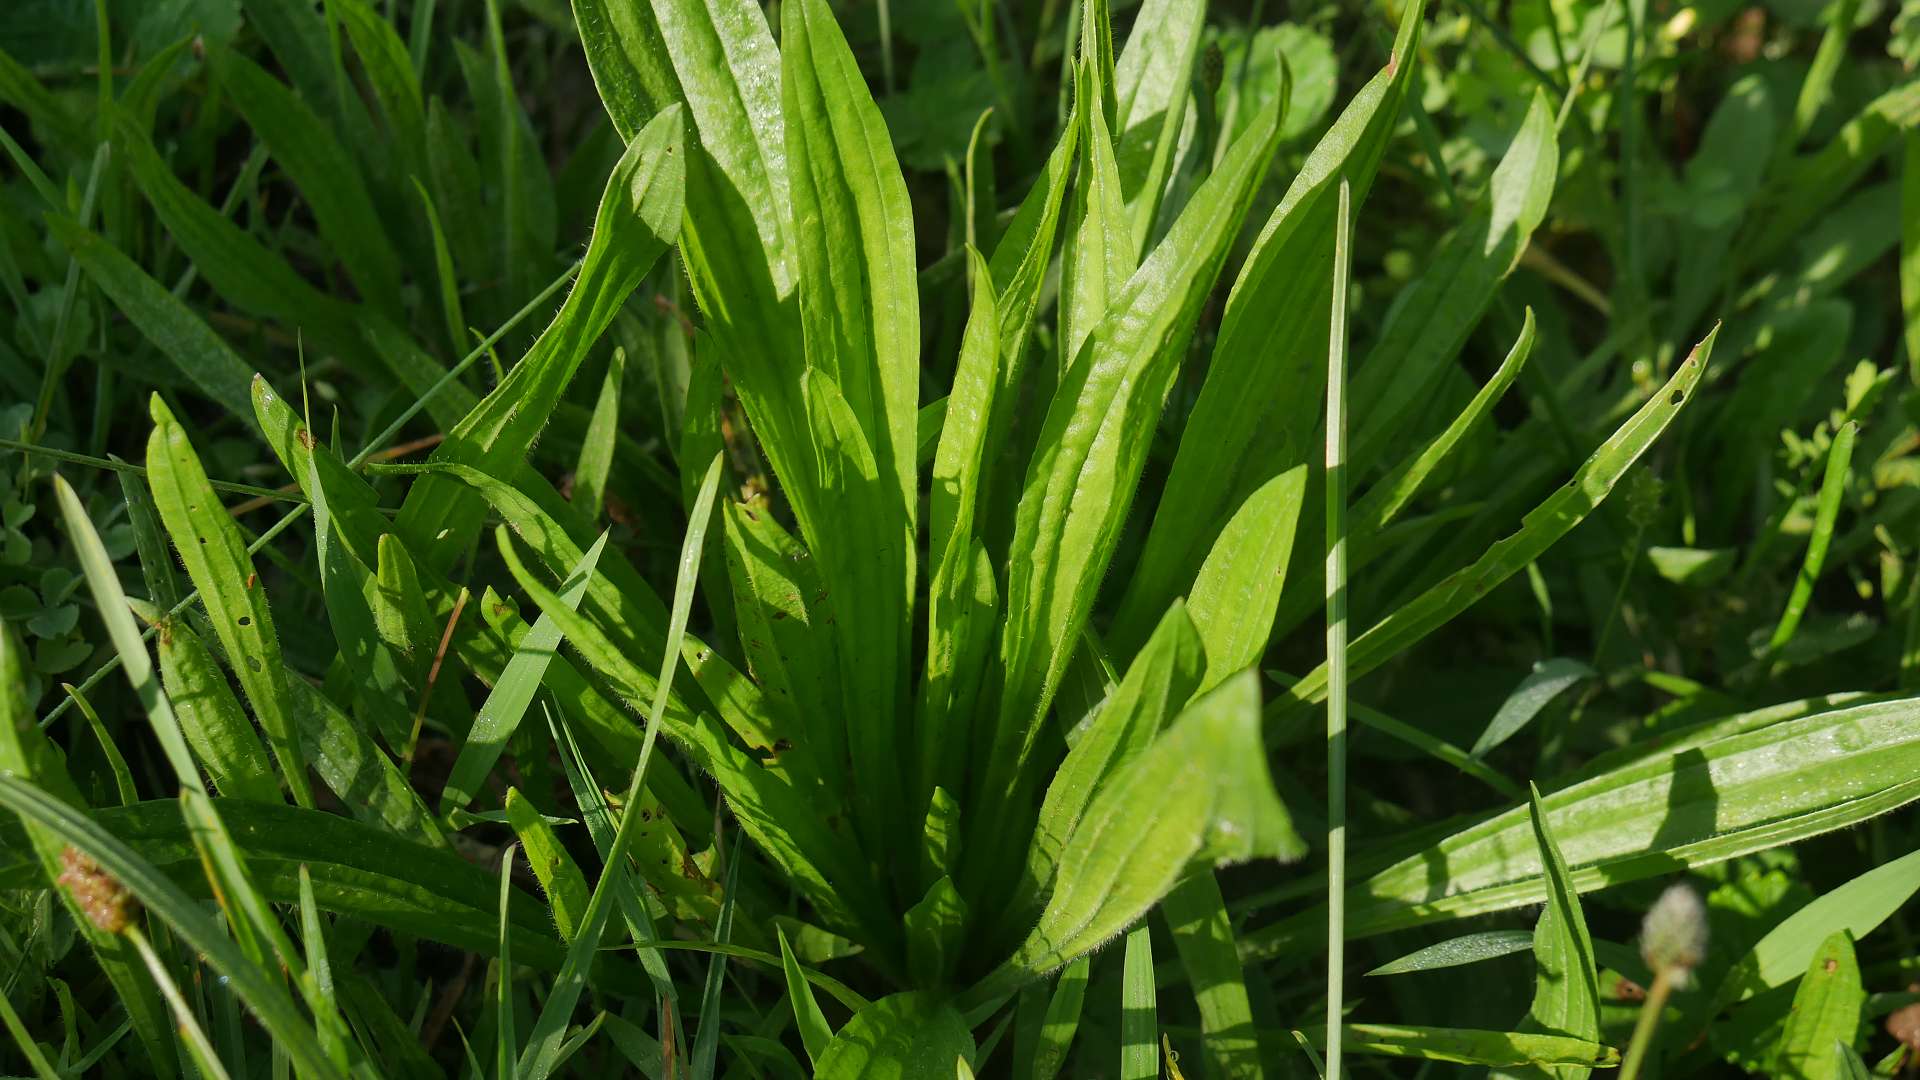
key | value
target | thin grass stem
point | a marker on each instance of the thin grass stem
(1337, 630)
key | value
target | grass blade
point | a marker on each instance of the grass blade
(1139, 1026)
(1833, 487)
(1336, 663)
(1466, 949)
(1566, 998)
(1196, 916)
(541, 1054)
(815, 1034)
(513, 691)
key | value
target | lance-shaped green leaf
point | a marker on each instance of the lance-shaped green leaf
(565, 885)
(1432, 318)
(859, 307)
(1826, 1013)
(1455, 952)
(1539, 530)
(1467, 1046)
(912, 1036)
(216, 559)
(859, 298)
(353, 767)
(1100, 249)
(1155, 688)
(1092, 447)
(718, 59)
(782, 609)
(1390, 494)
(379, 687)
(26, 752)
(1139, 1019)
(512, 692)
(1261, 401)
(1151, 82)
(815, 1033)
(391, 76)
(1238, 590)
(639, 216)
(1019, 264)
(957, 624)
(211, 719)
(1199, 796)
(1728, 797)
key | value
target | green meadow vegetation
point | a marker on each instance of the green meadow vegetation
(939, 538)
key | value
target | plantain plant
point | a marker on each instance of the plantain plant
(973, 725)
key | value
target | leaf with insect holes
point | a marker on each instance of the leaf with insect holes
(222, 737)
(216, 559)
(1826, 1013)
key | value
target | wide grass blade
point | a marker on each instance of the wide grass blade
(1139, 1023)
(1454, 952)
(1566, 999)
(104, 582)
(1467, 1046)
(1196, 916)
(815, 1034)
